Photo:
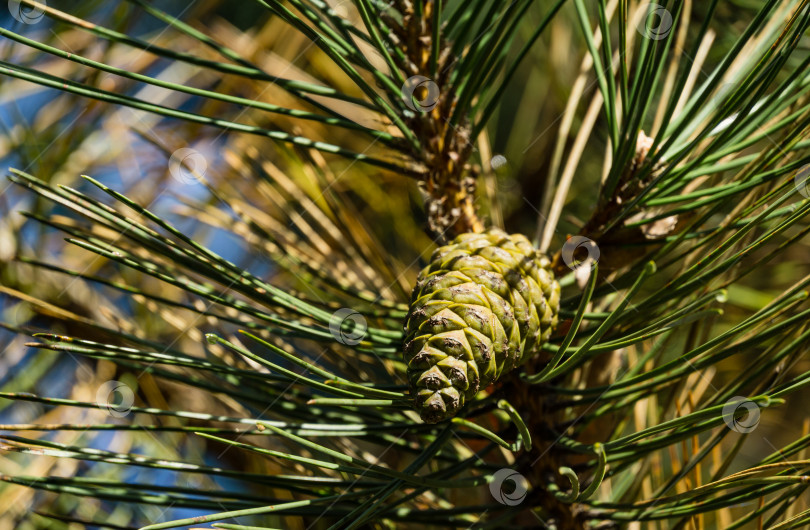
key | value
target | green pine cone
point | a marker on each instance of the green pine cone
(484, 304)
